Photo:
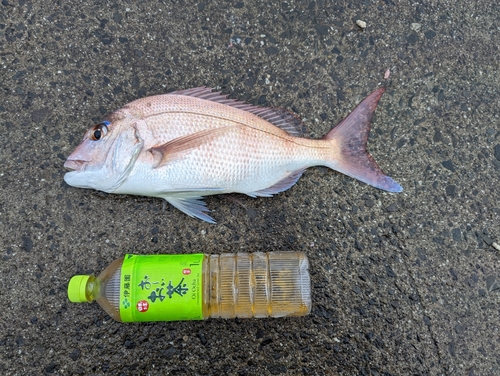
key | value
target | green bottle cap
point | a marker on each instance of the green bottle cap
(76, 288)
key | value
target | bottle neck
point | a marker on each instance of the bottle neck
(92, 290)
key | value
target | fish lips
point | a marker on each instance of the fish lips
(75, 164)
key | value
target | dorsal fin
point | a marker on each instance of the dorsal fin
(280, 117)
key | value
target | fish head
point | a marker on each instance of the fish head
(105, 157)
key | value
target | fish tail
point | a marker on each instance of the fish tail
(350, 137)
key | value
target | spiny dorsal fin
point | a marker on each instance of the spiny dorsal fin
(280, 117)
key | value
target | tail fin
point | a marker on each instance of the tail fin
(351, 135)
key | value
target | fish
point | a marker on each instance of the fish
(188, 144)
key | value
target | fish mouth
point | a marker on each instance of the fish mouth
(75, 164)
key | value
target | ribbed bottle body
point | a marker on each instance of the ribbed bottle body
(273, 284)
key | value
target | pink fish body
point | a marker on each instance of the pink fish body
(193, 143)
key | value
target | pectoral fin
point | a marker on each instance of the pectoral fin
(179, 148)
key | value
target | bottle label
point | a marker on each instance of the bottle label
(161, 288)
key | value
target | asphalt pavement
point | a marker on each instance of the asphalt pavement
(402, 284)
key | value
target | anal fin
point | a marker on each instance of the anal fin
(284, 184)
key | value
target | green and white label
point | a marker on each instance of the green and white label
(161, 288)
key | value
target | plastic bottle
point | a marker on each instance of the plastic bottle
(197, 286)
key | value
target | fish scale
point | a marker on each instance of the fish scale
(189, 144)
(241, 159)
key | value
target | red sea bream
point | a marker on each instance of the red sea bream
(192, 143)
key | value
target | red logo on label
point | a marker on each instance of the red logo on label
(186, 271)
(142, 306)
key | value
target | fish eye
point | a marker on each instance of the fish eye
(99, 131)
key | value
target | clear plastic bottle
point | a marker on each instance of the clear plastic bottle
(197, 286)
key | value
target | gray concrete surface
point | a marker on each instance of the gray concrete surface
(403, 284)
